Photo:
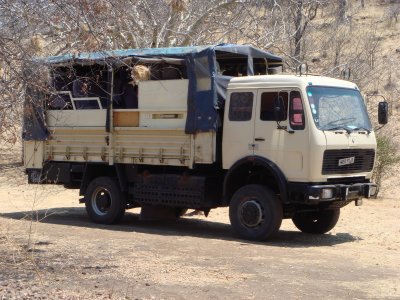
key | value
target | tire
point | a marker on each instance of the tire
(105, 203)
(318, 222)
(255, 212)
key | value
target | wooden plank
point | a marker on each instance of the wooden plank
(126, 119)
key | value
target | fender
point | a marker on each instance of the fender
(90, 171)
(93, 170)
(265, 163)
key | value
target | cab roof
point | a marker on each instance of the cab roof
(287, 81)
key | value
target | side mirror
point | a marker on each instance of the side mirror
(383, 113)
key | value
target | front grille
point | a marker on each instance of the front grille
(363, 161)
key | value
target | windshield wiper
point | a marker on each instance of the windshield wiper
(337, 128)
(362, 128)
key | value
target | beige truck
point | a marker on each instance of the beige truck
(207, 127)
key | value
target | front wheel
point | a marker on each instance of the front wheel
(105, 203)
(255, 212)
(317, 222)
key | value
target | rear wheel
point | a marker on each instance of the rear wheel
(317, 222)
(255, 212)
(105, 203)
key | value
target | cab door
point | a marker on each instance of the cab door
(238, 129)
(267, 137)
(280, 131)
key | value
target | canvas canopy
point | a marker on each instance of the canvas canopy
(207, 85)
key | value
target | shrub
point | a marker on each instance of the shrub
(387, 157)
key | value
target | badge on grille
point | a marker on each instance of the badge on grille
(346, 161)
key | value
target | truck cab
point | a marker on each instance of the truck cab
(301, 124)
(307, 139)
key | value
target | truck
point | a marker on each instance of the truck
(204, 127)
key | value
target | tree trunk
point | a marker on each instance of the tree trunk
(341, 10)
(299, 28)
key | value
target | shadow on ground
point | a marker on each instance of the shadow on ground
(182, 227)
(10, 165)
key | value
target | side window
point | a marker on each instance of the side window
(241, 106)
(269, 102)
(296, 111)
(203, 81)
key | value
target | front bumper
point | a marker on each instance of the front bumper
(344, 192)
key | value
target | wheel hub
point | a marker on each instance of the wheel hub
(251, 213)
(101, 201)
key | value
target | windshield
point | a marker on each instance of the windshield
(338, 108)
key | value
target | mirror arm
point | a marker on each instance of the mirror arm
(280, 127)
(376, 95)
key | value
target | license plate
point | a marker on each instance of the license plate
(346, 161)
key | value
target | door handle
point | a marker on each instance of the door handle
(259, 139)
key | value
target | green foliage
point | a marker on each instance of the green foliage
(387, 157)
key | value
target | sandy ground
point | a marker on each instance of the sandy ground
(49, 249)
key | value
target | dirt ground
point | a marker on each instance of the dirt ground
(49, 249)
